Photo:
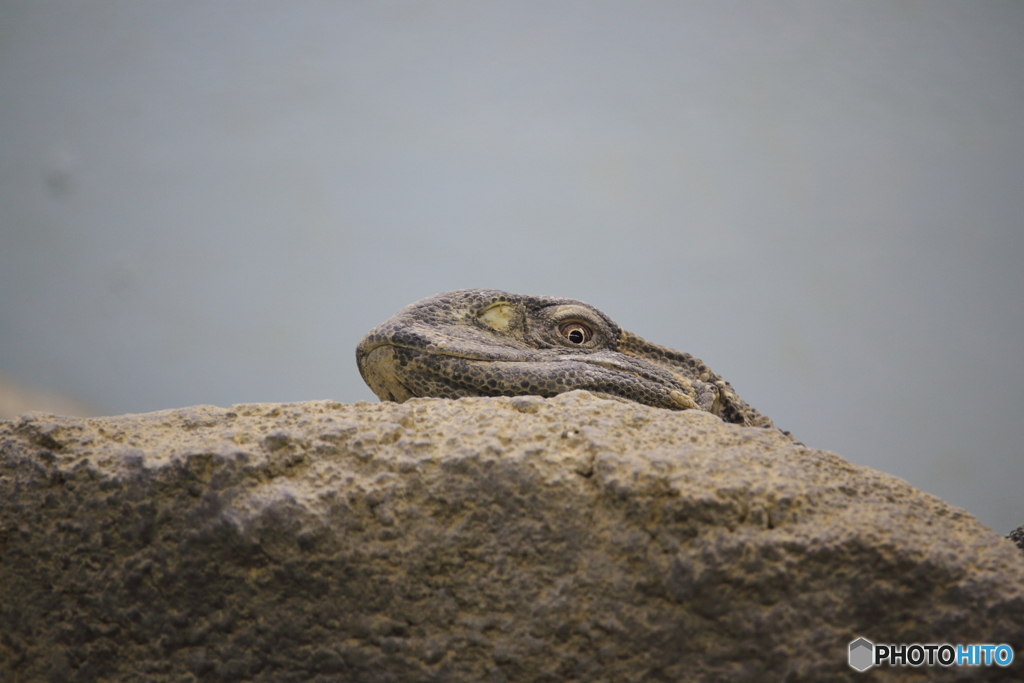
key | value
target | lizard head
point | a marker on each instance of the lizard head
(483, 342)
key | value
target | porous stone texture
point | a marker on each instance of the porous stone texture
(483, 539)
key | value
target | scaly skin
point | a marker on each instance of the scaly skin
(484, 342)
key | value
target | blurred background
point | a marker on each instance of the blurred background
(211, 202)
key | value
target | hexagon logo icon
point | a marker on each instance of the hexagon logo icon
(862, 654)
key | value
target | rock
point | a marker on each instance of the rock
(497, 539)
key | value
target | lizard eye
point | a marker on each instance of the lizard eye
(576, 333)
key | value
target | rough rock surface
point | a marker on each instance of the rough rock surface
(484, 539)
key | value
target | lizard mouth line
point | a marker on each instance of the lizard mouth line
(437, 350)
(672, 382)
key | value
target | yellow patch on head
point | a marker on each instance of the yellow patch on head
(682, 400)
(498, 316)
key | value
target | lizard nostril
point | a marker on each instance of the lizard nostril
(575, 332)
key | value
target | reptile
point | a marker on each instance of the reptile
(485, 342)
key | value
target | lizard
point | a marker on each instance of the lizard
(485, 342)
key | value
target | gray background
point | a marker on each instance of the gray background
(211, 202)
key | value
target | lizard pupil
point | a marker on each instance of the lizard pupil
(576, 333)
